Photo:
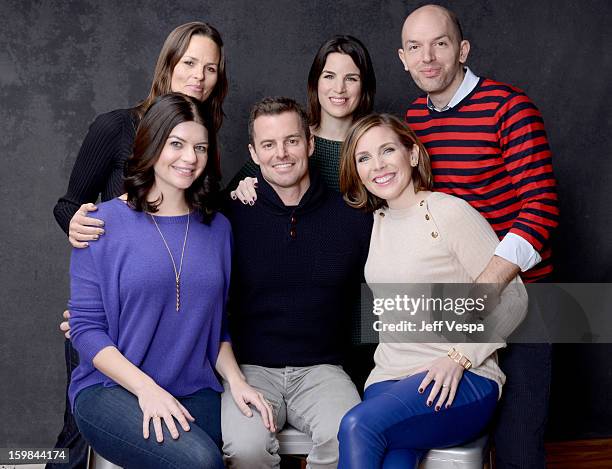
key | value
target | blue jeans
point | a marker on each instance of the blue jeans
(70, 437)
(110, 419)
(394, 428)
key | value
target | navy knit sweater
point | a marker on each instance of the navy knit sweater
(99, 166)
(295, 276)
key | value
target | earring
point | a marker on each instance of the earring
(414, 160)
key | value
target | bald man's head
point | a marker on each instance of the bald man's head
(434, 51)
(441, 13)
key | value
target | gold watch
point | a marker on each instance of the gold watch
(458, 357)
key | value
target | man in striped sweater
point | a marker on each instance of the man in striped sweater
(488, 146)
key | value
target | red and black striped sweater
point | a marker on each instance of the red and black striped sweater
(492, 151)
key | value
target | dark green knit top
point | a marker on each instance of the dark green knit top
(325, 159)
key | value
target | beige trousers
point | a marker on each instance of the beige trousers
(313, 399)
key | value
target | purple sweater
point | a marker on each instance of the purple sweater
(123, 294)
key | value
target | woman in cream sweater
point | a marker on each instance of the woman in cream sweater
(419, 395)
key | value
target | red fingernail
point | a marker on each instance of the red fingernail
(420, 390)
(429, 403)
(437, 408)
(446, 406)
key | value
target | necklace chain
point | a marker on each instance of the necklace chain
(177, 273)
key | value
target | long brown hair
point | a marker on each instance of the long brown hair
(173, 49)
(355, 193)
(355, 49)
(166, 112)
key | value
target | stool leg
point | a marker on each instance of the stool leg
(489, 462)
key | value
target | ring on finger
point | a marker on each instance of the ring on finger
(445, 385)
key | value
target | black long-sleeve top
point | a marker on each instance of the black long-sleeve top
(99, 167)
(296, 276)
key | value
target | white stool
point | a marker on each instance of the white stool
(472, 455)
(95, 461)
(293, 441)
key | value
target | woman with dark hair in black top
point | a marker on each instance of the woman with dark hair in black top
(191, 62)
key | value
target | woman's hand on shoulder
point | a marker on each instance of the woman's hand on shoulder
(157, 404)
(65, 325)
(83, 228)
(445, 374)
(246, 191)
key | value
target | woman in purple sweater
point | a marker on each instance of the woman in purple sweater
(191, 61)
(148, 300)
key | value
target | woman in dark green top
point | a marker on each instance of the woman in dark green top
(341, 89)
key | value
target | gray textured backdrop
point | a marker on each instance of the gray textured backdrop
(62, 63)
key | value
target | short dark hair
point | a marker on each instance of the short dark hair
(355, 49)
(355, 193)
(272, 106)
(165, 114)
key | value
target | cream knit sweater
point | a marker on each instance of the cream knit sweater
(441, 239)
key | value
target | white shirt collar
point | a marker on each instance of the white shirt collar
(470, 80)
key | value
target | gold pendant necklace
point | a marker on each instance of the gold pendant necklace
(177, 273)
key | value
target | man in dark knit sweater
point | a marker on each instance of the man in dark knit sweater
(298, 264)
(488, 145)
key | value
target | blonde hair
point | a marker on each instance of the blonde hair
(355, 193)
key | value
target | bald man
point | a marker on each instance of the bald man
(488, 145)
